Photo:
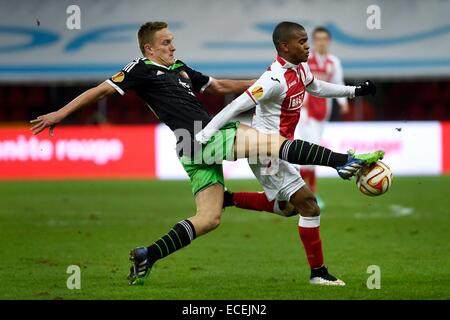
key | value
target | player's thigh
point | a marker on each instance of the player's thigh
(249, 143)
(305, 201)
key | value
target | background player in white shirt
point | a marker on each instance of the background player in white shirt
(316, 111)
(278, 96)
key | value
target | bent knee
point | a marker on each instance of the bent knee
(309, 207)
(208, 223)
(212, 224)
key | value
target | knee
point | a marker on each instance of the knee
(309, 207)
(212, 223)
(208, 223)
(313, 208)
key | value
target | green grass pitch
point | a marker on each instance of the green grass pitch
(47, 226)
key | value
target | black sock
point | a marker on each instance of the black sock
(304, 152)
(178, 237)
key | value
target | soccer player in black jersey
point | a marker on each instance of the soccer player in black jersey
(167, 86)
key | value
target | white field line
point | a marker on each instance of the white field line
(394, 210)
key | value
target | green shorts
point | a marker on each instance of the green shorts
(206, 167)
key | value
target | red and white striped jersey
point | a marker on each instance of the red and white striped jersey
(280, 92)
(326, 68)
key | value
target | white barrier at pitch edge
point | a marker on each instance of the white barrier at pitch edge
(412, 148)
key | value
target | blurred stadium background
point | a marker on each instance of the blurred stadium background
(43, 65)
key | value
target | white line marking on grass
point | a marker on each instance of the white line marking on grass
(400, 210)
(371, 215)
(394, 210)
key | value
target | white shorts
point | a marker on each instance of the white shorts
(282, 183)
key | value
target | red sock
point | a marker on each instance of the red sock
(253, 200)
(310, 178)
(308, 230)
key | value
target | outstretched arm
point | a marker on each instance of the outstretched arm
(262, 90)
(330, 90)
(225, 86)
(86, 98)
(241, 104)
(324, 89)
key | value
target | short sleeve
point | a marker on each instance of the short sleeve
(199, 81)
(129, 77)
(266, 88)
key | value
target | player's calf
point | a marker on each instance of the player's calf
(258, 201)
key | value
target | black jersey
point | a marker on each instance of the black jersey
(169, 93)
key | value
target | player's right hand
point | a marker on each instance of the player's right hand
(47, 120)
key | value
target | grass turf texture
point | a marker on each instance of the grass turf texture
(47, 226)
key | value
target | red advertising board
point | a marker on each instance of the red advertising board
(78, 152)
(85, 152)
(445, 147)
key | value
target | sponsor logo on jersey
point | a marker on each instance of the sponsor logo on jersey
(296, 101)
(186, 86)
(257, 92)
(292, 84)
(118, 77)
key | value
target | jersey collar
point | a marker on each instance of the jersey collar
(286, 64)
(172, 67)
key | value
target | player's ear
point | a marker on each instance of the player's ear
(284, 47)
(148, 48)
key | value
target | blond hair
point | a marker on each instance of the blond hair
(147, 32)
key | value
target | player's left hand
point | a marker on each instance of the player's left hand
(47, 120)
(366, 88)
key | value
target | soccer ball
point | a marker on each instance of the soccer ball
(375, 179)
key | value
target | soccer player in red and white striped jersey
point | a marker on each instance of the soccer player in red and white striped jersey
(279, 95)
